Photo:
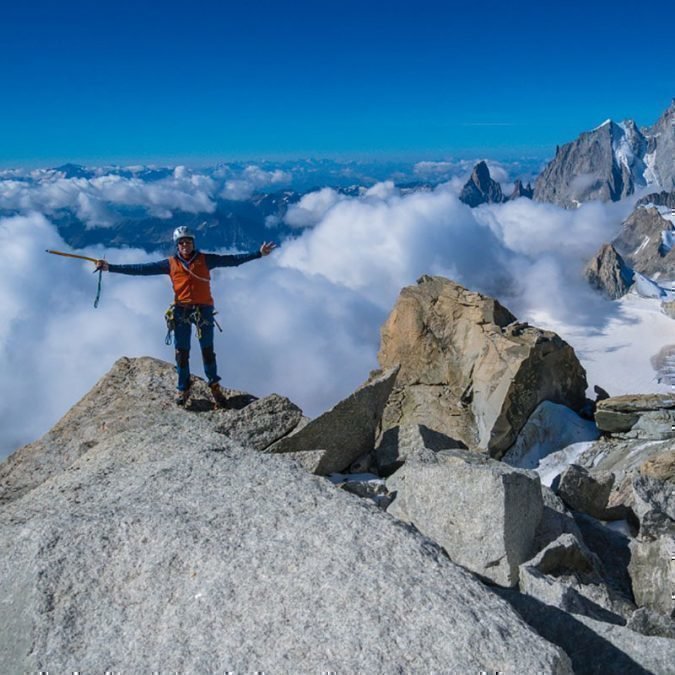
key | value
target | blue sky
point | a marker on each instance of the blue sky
(139, 82)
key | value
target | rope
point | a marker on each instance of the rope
(190, 272)
(98, 289)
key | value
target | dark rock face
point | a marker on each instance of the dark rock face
(587, 169)
(519, 190)
(658, 199)
(480, 188)
(610, 162)
(608, 273)
(662, 147)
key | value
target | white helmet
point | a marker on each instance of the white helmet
(182, 232)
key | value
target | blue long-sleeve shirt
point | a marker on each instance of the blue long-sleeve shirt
(213, 260)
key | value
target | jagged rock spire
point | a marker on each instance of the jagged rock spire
(480, 188)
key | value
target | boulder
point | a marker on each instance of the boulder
(640, 416)
(469, 370)
(483, 512)
(589, 492)
(261, 423)
(347, 430)
(568, 575)
(652, 573)
(166, 546)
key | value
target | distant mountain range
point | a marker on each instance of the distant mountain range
(609, 163)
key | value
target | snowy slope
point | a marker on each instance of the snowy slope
(618, 356)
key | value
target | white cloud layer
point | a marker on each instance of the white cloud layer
(253, 178)
(93, 199)
(305, 321)
(312, 207)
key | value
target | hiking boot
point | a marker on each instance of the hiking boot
(219, 397)
(182, 397)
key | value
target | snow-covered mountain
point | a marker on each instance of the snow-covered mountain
(610, 162)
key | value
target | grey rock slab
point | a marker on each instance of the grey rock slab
(652, 573)
(400, 443)
(166, 550)
(653, 504)
(589, 492)
(555, 521)
(262, 422)
(347, 430)
(638, 403)
(612, 548)
(567, 575)
(483, 512)
(132, 395)
(595, 647)
(649, 622)
(613, 421)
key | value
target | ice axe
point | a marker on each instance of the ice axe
(82, 257)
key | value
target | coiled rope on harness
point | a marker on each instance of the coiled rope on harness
(194, 317)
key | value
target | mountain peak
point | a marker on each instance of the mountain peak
(481, 188)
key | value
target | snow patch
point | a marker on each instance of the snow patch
(550, 428)
(644, 243)
(554, 464)
(667, 240)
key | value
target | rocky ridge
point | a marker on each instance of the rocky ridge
(611, 162)
(210, 525)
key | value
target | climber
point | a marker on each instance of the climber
(189, 270)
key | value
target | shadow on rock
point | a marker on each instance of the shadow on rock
(589, 652)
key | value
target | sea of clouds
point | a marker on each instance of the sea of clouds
(303, 322)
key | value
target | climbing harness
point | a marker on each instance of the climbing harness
(83, 257)
(194, 317)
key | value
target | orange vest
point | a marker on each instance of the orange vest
(187, 288)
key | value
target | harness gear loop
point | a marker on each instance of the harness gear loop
(170, 319)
